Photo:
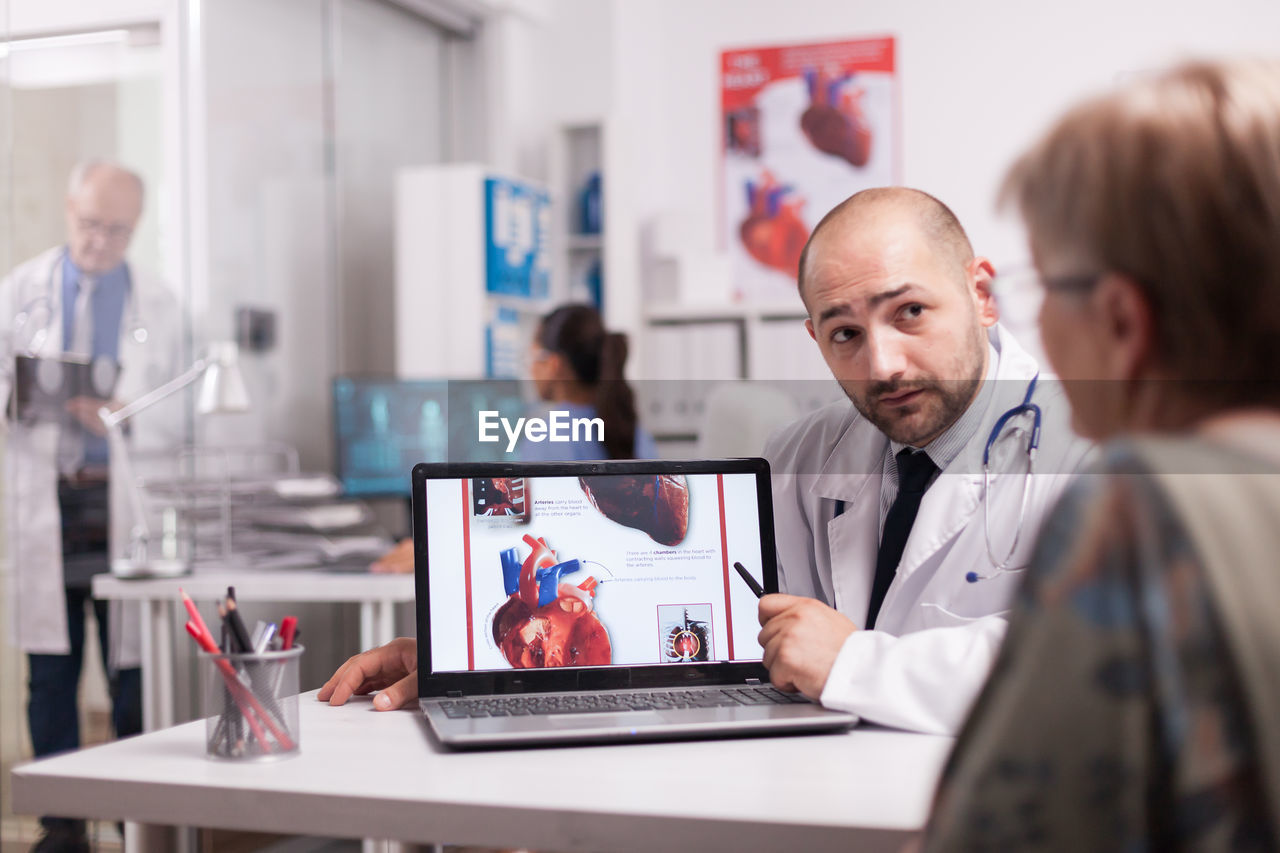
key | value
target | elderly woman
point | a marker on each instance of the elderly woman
(1136, 701)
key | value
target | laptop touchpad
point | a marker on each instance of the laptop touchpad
(628, 720)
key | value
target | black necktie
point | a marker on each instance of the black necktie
(914, 471)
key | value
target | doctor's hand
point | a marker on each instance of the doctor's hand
(392, 668)
(801, 639)
(399, 560)
(85, 410)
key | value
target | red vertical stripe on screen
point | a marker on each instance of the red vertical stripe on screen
(724, 562)
(466, 569)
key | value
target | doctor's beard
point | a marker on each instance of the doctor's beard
(940, 405)
(923, 419)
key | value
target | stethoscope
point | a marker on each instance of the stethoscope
(44, 303)
(1033, 444)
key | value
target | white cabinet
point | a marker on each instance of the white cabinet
(473, 270)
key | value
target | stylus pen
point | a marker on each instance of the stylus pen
(751, 582)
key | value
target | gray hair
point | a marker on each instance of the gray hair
(82, 171)
(1174, 181)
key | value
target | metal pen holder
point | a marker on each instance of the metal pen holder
(251, 704)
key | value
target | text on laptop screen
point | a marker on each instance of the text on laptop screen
(603, 570)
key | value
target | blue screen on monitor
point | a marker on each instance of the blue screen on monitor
(383, 427)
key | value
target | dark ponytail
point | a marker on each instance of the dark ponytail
(614, 401)
(597, 359)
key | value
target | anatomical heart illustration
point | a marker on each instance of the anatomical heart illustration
(545, 622)
(657, 504)
(774, 232)
(834, 121)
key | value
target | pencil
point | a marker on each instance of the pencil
(193, 611)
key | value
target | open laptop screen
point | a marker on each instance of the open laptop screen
(530, 570)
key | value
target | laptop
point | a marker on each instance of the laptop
(596, 601)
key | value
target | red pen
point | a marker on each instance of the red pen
(288, 627)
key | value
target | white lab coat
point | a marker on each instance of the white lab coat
(936, 634)
(32, 521)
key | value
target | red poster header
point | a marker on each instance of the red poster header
(743, 73)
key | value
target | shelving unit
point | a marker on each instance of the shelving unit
(693, 348)
(579, 238)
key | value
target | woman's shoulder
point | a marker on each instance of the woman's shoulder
(1180, 454)
(1134, 501)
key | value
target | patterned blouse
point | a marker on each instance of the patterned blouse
(1114, 718)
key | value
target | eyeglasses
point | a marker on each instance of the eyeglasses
(536, 355)
(1069, 283)
(1028, 282)
(1020, 293)
(106, 230)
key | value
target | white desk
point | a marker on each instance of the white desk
(377, 596)
(364, 773)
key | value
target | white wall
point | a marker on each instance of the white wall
(980, 79)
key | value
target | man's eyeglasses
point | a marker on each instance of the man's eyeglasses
(107, 230)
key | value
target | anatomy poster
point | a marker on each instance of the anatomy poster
(804, 127)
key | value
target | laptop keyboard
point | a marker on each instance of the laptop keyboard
(588, 703)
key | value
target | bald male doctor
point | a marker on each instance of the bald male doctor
(894, 579)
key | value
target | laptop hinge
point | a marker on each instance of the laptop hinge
(453, 694)
(753, 681)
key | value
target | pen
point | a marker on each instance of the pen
(264, 638)
(230, 644)
(751, 582)
(254, 670)
(288, 627)
(237, 627)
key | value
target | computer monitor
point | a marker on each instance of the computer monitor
(384, 426)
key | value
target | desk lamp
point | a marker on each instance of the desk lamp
(222, 391)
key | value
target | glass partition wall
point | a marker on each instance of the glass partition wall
(268, 135)
(67, 95)
(311, 108)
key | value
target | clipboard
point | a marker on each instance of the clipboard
(42, 386)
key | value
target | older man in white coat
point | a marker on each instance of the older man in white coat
(893, 593)
(86, 300)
